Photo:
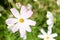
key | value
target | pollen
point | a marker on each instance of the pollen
(21, 20)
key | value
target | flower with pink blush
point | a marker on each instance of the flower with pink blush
(21, 21)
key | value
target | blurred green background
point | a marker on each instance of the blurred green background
(39, 8)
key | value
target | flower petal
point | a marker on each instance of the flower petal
(11, 21)
(50, 22)
(22, 32)
(15, 28)
(30, 22)
(49, 31)
(50, 26)
(15, 12)
(53, 35)
(29, 13)
(41, 36)
(28, 28)
(43, 32)
(10, 27)
(49, 15)
(25, 13)
(53, 39)
(23, 10)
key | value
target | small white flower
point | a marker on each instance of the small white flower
(21, 22)
(58, 2)
(18, 5)
(48, 35)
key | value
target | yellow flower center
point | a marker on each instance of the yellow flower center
(21, 20)
(47, 37)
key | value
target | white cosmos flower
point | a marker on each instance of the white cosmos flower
(21, 22)
(48, 35)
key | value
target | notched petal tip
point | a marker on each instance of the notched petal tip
(15, 12)
(33, 23)
(28, 29)
(12, 9)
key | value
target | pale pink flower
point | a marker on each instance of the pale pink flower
(21, 22)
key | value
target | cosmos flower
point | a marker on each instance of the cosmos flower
(21, 21)
(48, 35)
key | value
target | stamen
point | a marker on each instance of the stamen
(21, 20)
